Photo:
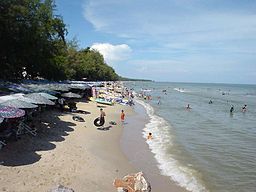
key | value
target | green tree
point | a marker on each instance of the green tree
(30, 39)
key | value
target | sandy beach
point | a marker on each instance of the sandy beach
(67, 152)
(75, 154)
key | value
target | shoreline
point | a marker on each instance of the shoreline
(77, 155)
(143, 159)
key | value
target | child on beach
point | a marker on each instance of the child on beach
(122, 115)
(102, 116)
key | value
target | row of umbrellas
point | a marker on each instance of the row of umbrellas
(13, 105)
(50, 88)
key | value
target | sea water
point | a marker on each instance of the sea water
(205, 148)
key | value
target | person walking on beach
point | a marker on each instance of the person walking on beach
(61, 103)
(102, 117)
(122, 115)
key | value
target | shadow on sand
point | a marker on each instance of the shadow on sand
(24, 151)
(104, 128)
(101, 106)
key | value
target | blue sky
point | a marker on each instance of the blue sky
(211, 41)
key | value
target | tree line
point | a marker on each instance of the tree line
(33, 45)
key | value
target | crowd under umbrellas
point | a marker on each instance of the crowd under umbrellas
(22, 100)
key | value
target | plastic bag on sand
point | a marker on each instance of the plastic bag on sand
(132, 183)
(61, 188)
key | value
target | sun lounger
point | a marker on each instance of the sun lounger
(2, 144)
(23, 128)
(3, 137)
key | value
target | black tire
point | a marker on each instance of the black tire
(98, 123)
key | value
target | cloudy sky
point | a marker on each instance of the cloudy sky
(211, 41)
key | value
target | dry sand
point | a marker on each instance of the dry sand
(67, 152)
(77, 154)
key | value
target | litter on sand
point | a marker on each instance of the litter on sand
(132, 183)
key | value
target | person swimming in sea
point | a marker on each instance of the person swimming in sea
(210, 102)
(149, 137)
(188, 107)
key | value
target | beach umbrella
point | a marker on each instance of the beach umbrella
(19, 104)
(38, 99)
(1, 119)
(48, 96)
(10, 112)
(58, 87)
(71, 95)
(19, 88)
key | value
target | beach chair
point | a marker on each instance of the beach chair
(2, 144)
(23, 128)
(3, 137)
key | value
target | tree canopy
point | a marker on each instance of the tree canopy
(33, 44)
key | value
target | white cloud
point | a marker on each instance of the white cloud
(113, 53)
(177, 36)
(174, 21)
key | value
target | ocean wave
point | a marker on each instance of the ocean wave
(168, 165)
(181, 90)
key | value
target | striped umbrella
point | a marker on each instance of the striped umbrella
(10, 112)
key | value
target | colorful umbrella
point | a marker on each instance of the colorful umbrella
(11, 112)
(71, 95)
(38, 99)
(19, 104)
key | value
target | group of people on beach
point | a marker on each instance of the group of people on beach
(103, 114)
(122, 117)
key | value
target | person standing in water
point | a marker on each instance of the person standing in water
(244, 108)
(122, 115)
(188, 107)
(231, 109)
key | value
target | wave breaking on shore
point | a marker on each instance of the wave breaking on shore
(160, 145)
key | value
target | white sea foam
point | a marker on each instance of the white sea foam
(169, 166)
(181, 90)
